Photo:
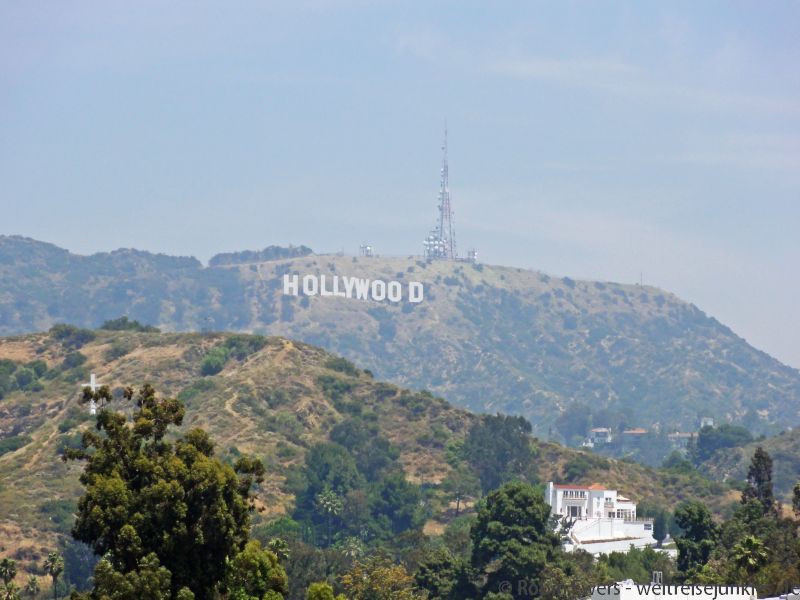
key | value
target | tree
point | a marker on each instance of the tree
(749, 555)
(330, 505)
(319, 591)
(660, 527)
(660, 518)
(148, 581)
(32, 587)
(395, 505)
(125, 324)
(461, 483)
(328, 467)
(699, 538)
(11, 591)
(499, 449)
(711, 439)
(280, 548)
(444, 576)
(371, 451)
(574, 422)
(8, 571)
(54, 566)
(759, 481)
(796, 500)
(149, 498)
(256, 573)
(79, 564)
(511, 538)
(377, 578)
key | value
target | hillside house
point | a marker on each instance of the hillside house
(599, 436)
(602, 520)
(680, 440)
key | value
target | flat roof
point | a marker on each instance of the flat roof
(594, 486)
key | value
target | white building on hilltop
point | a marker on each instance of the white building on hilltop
(602, 520)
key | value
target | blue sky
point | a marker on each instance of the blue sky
(596, 140)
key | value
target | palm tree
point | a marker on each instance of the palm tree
(8, 570)
(32, 586)
(331, 505)
(280, 548)
(54, 565)
(750, 554)
(11, 591)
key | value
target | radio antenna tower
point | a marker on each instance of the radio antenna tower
(441, 242)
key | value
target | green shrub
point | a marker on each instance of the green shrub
(13, 443)
(118, 349)
(334, 387)
(242, 346)
(60, 512)
(71, 336)
(38, 366)
(68, 441)
(199, 386)
(338, 363)
(214, 361)
(72, 360)
(125, 324)
(23, 377)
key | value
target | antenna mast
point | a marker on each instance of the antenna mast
(441, 242)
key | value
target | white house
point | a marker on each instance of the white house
(598, 436)
(587, 502)
(604, 520)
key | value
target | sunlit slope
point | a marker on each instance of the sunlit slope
(485, 337)
(275, 402)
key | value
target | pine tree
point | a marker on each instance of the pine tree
(759, 481)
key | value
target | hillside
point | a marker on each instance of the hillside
(784, 448)
(274, 402)
(485, 337)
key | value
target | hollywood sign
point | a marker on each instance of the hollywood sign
(376, 290)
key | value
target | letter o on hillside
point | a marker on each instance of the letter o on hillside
(395, 291)
(310, 285)
(378, 290)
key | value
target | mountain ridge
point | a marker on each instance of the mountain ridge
(486, 337)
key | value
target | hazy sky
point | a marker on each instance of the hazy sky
(595, 140)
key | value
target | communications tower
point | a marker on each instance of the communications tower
(441, 241)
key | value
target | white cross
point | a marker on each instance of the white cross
(92, 385)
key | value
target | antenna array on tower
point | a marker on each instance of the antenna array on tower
(441, 241)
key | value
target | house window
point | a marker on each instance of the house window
(574, 511)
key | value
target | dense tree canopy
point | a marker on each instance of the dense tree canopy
(711, 439)
(499, 449)
(511, 539)
(165, 515)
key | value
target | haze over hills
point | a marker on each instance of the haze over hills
(488, 338)
(784, 448)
